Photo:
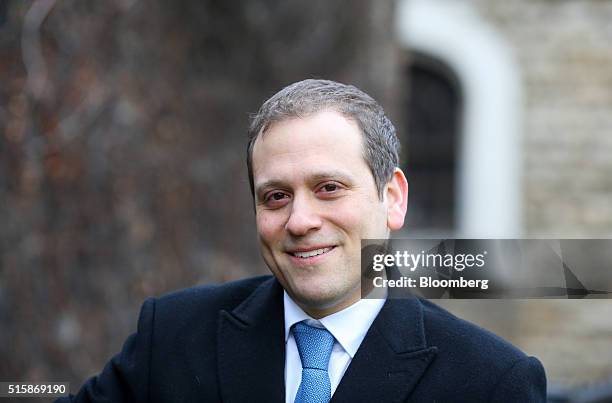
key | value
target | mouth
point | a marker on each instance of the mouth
(311, 253)
(309, 256)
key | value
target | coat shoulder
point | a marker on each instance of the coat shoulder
(451, 333)
(202, 303)
(477, 363)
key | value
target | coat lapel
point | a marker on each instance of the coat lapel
(392, 357)
(251, 348)
(386, 368)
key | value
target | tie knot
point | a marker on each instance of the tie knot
(314, 345)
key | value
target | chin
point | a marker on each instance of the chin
(319, 299)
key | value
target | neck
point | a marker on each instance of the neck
(318, 312)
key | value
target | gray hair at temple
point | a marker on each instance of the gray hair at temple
(307, 97)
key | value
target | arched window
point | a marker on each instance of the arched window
(432, 132)
(488, 164)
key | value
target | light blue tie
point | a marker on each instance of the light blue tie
(315, 347)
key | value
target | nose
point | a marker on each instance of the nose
(304, 217)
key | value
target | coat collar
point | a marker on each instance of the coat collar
(251, 347)
(251, 351)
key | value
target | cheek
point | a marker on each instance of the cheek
(363, 223)
(350, 221)
(354, 216)
(269, 226)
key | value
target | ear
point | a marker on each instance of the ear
(396, 197)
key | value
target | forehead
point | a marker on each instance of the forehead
(326, 140)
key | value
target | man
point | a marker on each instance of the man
(323, 168)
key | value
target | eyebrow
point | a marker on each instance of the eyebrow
(339, 175)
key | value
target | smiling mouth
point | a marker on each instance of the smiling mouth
(311, 253)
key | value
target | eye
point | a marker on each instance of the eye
(276, 199)
(330, 187)
(278, 196)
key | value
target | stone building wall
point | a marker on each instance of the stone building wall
(564, 50)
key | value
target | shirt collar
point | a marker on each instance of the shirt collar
(348, 326)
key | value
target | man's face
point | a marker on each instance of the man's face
(315, 200)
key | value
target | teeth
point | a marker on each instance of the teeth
(311, 253)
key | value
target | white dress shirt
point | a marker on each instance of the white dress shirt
(348, 327)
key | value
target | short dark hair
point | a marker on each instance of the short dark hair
(307, 97)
